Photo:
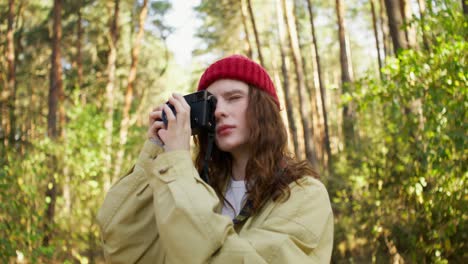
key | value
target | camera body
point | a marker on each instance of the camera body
(202, 109)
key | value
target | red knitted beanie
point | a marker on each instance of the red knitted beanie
(241, 68)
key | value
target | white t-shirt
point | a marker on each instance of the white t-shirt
(235, 194)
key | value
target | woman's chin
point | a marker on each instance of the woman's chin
(226, 148)
(232, 147)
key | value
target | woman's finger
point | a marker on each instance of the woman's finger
(155, 115)
(170, 116)
(182, 101)
(154, 128)
(182, 112)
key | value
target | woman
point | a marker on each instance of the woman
(260, 206)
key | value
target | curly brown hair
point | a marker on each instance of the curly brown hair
(271, 168)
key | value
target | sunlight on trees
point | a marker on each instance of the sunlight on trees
(75, 91)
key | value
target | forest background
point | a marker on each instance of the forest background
(374, 93)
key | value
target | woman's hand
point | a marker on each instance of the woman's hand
(155, 124)
(176, 136)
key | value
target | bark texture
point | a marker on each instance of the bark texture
(286, 85)
(124, 125)
(346, 76)
(395, 23)
(55, 98)
(304, 107)
(113, 36)
(318, 76)
(257, 37)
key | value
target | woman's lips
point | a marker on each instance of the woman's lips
(224, 130)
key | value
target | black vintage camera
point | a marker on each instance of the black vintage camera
(202, 109)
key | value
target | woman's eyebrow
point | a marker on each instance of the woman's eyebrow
(229, 93)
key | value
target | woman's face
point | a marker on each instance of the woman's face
(231, 124)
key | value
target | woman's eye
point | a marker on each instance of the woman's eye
(232, 98)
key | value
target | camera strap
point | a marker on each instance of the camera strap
(211, 138)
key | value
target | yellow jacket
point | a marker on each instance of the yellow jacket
(162, 212)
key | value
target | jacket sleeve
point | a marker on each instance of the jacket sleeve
(126, 218)
(297, 231)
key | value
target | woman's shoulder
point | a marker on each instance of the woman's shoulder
(308, 185)
(307, 209)
(306, 193)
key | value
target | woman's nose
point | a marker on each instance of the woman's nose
(220, 110)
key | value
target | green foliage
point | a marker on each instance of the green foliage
(404, 190)
(83, 159)
(24, 177)
(401, 190)
(76, 161)
(222, 26)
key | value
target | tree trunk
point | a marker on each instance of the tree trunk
(19, 48)
(422, 13)
(346, 77)
(79, 53)
(304, 107)
(111, 65)
(384, 27)
(55, 93)
(318, 76)
(3, 133)
(376, 36)
(465, 7)
(11, 79)
(257, 37)
(248, 47)
(315, 125)
(395, 22)
(130, 86)
(410, 31)
(284, 72)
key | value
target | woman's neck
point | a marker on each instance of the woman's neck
(239, 164)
